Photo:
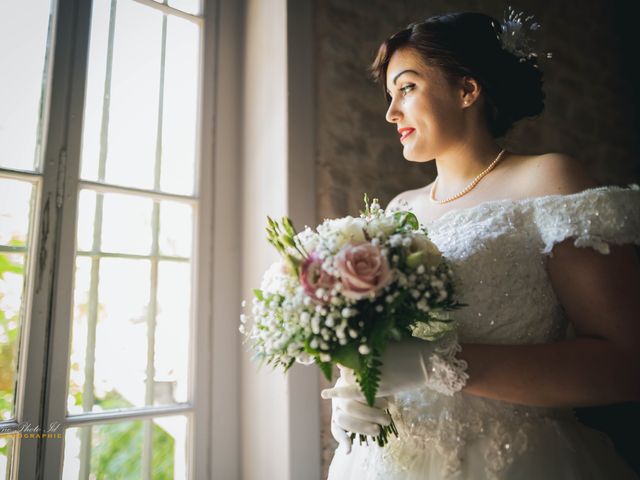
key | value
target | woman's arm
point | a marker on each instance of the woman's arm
(601, 297)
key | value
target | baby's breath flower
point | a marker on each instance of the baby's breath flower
(363, 349)
(315, 324)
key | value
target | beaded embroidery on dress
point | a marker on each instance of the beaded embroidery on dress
(498, 250)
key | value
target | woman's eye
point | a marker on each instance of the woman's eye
(403, 91)
(406, 89)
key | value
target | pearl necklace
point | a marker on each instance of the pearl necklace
(469, 187)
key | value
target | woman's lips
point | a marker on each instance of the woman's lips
(405, 132)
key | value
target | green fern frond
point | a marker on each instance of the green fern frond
(368, 377)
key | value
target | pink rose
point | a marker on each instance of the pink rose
(363, 270)
(313, 277)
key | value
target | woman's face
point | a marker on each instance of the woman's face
(425, 107)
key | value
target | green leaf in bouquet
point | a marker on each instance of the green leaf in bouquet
(366, 205)
(287, 240)
(293, 263)
(327, 369)
(348, 356)
(258, 294)
(405, 219)
(288, 227)
(380, 329)
(395, 334)
(289, 364)
(414, 259)
(431, 330)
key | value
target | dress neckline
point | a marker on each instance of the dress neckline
(521, 201)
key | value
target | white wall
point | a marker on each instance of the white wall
(280, 436)
(264, 167)
(226, 24)
(265, 425)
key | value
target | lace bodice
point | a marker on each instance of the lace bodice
(499, 250)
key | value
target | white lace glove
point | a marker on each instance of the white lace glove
(411, 364)
(354, 416)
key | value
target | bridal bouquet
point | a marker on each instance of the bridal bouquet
(341, 293)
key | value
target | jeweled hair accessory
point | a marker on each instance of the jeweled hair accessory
(515, 34)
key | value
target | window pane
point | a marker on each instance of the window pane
(110, 334)
(95, 89)
(78, 357)
(176, 227)
(11, 300)
(189, 6)
(130, 82)
(171, 359)
(86, 218)
(15, 205)
(24, 37)
(126, 225)
(125, 450)
(16, 200)
(180, 106)
(6, 448)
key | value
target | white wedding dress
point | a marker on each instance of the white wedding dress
(498, 250)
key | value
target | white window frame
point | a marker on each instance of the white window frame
(45, 336)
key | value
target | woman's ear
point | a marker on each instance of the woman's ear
(470, 91)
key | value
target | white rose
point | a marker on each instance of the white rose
(383, 225)
(347, 229)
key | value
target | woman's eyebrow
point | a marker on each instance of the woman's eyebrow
(403, 72)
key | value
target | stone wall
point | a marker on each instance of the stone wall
(591, 106)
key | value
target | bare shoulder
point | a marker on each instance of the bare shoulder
(554, 174)
(404, 199)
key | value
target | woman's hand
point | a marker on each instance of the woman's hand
(354, 416)
(410, 364)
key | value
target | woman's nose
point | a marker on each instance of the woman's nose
(393, 114)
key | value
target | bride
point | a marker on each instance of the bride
(545, 264)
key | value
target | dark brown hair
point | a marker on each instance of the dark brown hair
(467, 44)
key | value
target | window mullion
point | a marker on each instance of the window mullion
(92, 315)
(147, 454)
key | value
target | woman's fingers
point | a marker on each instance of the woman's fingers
(355, 425)
(381, 402)
(348, 391)
(347, 374)
(351, 392)
(341, 436)
(364, 412)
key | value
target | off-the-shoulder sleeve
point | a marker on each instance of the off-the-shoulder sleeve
(593, 218)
